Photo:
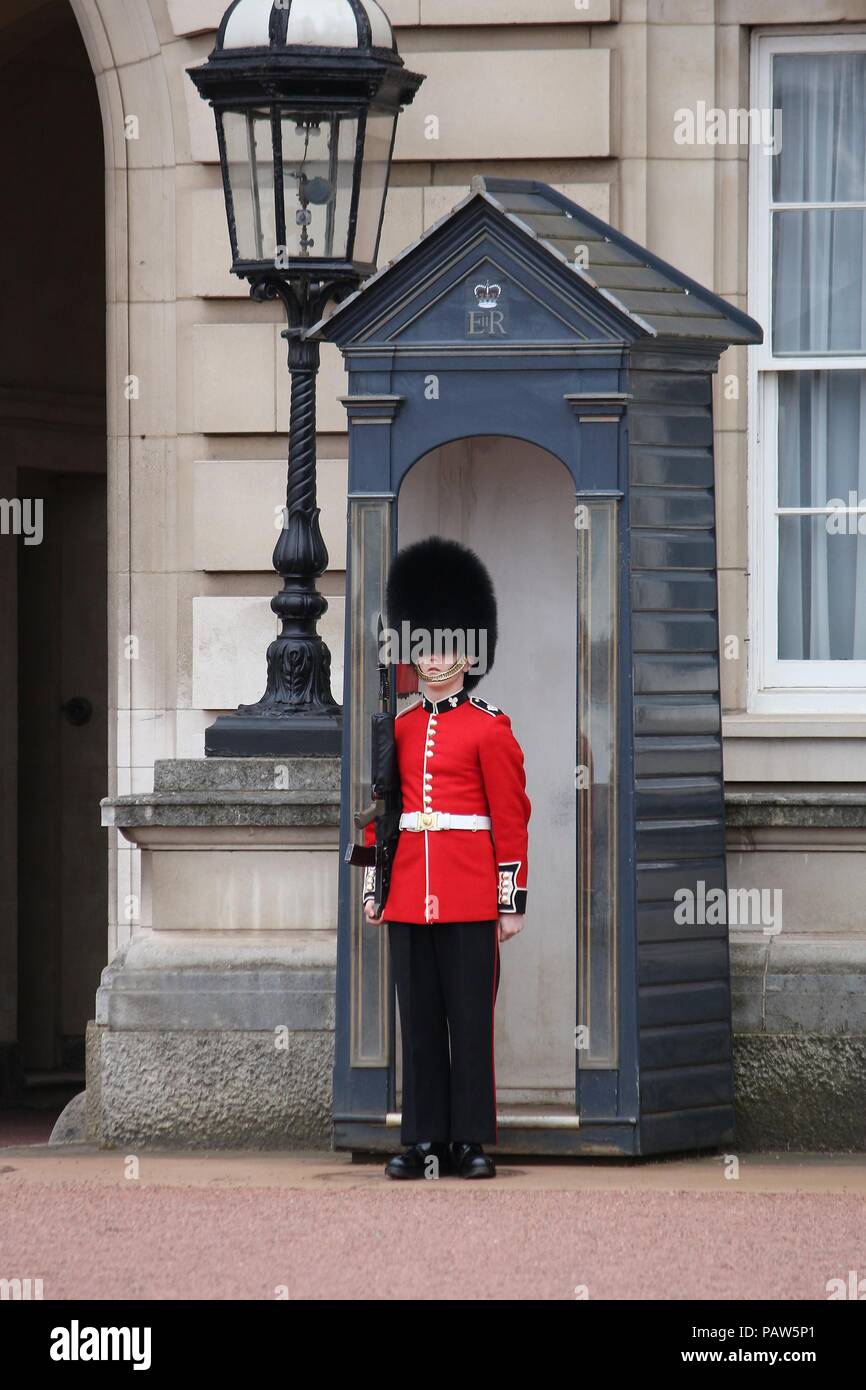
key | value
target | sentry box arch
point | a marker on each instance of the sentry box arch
(529, 355)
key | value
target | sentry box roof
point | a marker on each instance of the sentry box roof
(660, 301)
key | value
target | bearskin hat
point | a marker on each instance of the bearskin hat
(439, 583)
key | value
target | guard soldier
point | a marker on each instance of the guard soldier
(458, 883)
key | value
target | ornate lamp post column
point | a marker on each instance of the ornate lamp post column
(306, 95)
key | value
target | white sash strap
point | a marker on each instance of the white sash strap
(442, 820)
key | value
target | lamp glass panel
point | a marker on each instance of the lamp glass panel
(318, 174)
(250, 158)
(374, 179)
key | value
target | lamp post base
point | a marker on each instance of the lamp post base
(299, 735)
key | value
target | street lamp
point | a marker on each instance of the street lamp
(306, 95)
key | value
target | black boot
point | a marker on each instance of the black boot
(414, 1161)
(470, 1161)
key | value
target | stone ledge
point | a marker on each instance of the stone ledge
(190, 809)
(232, 792)
(247, 1001)
(315, 949)
(755, 953)
(180, 981)
(803, 986)
(246, 774)
(830, 809)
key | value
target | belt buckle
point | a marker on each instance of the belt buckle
(428, 820)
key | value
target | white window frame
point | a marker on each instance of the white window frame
(775, 686)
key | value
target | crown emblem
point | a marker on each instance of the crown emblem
(487, 295)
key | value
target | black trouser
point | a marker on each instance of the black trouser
(447, 977)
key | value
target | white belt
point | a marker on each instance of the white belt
(442, 820)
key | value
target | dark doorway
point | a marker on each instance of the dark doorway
(53, 556)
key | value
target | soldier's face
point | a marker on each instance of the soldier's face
(437, 662)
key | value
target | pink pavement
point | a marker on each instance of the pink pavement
(316, 1226)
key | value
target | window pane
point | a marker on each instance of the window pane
(250, 154)
(377, 148)
(822, 438)
(318, 165)
(822, 588)
(819, 282)
(822, 98)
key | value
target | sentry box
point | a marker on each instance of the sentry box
(530, 381)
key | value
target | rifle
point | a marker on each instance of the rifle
(386, 803)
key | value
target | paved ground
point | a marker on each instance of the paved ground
(97, 1224)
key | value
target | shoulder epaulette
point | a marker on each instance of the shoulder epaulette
(482, 704)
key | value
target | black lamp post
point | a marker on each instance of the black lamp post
(306, 95)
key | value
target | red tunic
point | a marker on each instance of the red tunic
(459, 755)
